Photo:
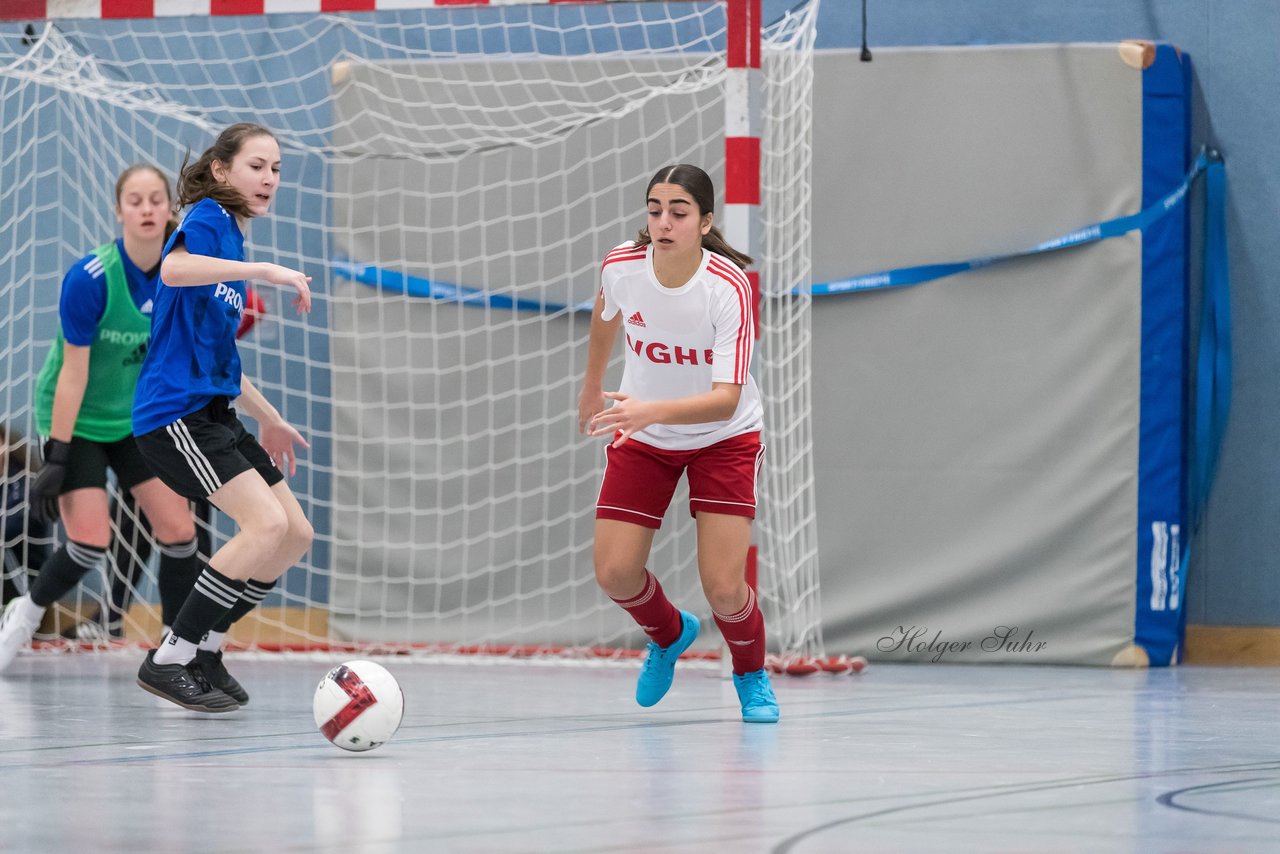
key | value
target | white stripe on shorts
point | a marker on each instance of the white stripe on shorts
(200, 465)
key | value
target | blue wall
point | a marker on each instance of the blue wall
(1233, 46)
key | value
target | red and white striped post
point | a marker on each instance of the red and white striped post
(742, 158)
(741, 145)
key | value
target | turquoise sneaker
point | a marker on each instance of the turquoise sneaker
(660, 663)
(759, 705)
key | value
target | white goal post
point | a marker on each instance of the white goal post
(452, 178)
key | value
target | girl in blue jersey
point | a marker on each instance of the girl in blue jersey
(187, 428)
(84, 402)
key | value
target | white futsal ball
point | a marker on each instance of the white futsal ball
(358, 705)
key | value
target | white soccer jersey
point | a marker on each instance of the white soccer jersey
(681, 340)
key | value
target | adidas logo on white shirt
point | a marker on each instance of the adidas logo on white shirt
(636, 319)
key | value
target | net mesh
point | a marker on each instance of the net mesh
(451, 180)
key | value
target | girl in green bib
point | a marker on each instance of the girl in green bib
(84, 405)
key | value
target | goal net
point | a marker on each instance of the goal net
(451, 180)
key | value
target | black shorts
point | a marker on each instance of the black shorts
(198, 453)
(87, 465)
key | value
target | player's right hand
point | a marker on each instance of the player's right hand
(289, 278)
(48, 483)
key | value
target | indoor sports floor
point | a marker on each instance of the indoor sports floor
(554, 758)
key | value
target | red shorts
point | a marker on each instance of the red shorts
(640, 479)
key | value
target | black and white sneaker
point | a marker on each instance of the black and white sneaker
(184, 685)
(94, 630)
(210, 664)
(86, 630)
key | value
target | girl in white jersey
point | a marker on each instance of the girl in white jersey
(687, 402)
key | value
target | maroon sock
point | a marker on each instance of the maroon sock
(653, 611)
(744, 632)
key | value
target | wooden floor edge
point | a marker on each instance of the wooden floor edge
(272, 625)
(1253, 646)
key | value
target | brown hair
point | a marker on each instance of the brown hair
(196, 181)
(697, 184)
(172, 224)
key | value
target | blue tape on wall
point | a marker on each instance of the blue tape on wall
(1213, 368)
(907, 276)
(418, 286)
(1213, 362)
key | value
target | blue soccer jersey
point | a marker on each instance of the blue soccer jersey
(84, 294)
(192, 357)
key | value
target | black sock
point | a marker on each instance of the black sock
(209, 601)
(63, 571)
(254, 592)
(179, 569)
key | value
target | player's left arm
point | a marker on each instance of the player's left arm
(276, 435)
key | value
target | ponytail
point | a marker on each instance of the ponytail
(715, 241)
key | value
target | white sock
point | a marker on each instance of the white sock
(29, 612)
(212, 641)
(174, 650)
